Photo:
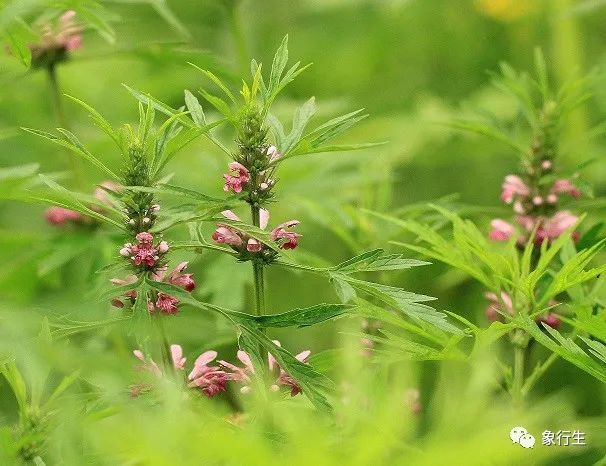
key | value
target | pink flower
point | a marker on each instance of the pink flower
(226, 235)
(150, 365)
(210, 379)
(184, 280)
(176, 353)
(101, 193)
(284, 378)
(286, 239)
(526, 221)
(550, 319)
(412, 398)
(144, 237)
(558, 224)
(566, 187)
(56, 40)
(241, 374)
(500, 230)
(273, 153)
(513, 185)
(253, 245)
(497, 307)
(166, 303)
(132, 295)
(60, 216)
(144, 252)
(238, 177)
(69, 33)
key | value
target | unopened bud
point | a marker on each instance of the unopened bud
(537, 200)
(125, 251)
(163, 247)
(552, 198)
(245, 390)
(146, 220)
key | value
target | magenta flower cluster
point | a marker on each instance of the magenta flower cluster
(212, 378)
(145, 256)
(56, 41)
(281, 235)
(498, 307)
(535, 209)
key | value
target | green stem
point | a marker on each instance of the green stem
(55, 90)
(164, 345)
(519, 356)
(538, 372)
(258, 269)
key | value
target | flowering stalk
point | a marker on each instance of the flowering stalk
(534, 193)
(258, 270)
(55, 46)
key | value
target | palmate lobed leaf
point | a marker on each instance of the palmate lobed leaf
(376, 260)
(407, 302)
(304, 317)
(563, 346)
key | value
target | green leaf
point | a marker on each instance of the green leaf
(65, 383)
(71, 200)
(74, 145)
(217, 81)
(279, 63)
(304, 317)
(376, 260)
(563, 346)
(313, 384)
(218, 103)
(301, 118)
(13, 376)
(195, 109)
(160, 106)
(101, 122)
(408, 303)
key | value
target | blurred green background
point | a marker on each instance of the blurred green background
(412, 64)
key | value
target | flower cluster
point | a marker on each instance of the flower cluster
(57, 41)
(247, 246)
(498, 308)
(251, 174)
(211, 379)
(535, 208)
(145, 256)
(239, 177)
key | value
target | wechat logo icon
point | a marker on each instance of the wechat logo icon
(521, 436)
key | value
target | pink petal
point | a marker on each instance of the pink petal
(263, 218)
(230, 215)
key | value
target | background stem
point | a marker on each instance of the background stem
(56, 97)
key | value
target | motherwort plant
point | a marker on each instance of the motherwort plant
(539, 277)
(150, 285)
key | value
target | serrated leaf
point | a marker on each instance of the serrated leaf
(304, 317)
